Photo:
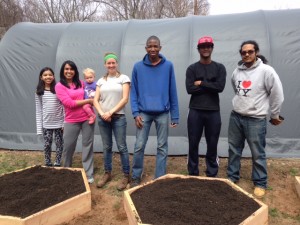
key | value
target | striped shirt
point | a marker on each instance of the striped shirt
(49, 112)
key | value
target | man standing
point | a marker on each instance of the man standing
(153, 96)
(205, 79)
(257, 90)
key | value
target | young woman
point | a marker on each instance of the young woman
(111, 96)
(70, 91)
(49, 115)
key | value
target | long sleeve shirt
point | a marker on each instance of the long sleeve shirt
(68, 96)
(49, 112)
(213, 79)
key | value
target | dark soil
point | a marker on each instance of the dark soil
(192, 201)
(29, 191)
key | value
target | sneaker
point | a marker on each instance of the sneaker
(259, 192)
(123, 183)
(57, 164)
(92, 119)
(48, 164)
(106, 178)
(135, 182)
(91, 180)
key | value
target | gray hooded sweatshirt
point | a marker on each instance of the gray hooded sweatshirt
(258, 89)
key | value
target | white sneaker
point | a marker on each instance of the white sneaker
(91, 180)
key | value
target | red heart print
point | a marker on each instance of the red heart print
(246, 83)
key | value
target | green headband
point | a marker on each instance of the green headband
(110, 56)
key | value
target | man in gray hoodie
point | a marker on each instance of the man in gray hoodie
(258, 90)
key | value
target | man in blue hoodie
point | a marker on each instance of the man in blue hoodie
(153, 96)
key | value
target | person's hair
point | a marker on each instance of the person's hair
(76, 79)
(263, 59)
(88, 70)
(251, 42)
(118, 72)
(153, 37)
(41, 84)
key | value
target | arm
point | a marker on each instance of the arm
(217, 85)
(63, 95)
(276, 96)
(38, 114)
(174, 109)
(124, 99)
(134, 94)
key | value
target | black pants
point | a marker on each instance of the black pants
(210, 122)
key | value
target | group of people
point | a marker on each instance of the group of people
(66, 108)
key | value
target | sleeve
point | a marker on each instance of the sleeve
(190, 78)
(134, 94)
(39, 114)
(276, 96)
(217, 85)
(63, 95)
(174, 109)
(125, 79)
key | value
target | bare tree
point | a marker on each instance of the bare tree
(58, 11)
(155, 9)
(10, 14)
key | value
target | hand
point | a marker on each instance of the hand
(173, 125)
(276, 121)
(197, 83)
(139, 122)
(106, 116)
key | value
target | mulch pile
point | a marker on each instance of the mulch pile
(192, 201)
(29, 191)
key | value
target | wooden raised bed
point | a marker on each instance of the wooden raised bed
(260, 216)
(59, 213)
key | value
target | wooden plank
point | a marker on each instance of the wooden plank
(297, 184)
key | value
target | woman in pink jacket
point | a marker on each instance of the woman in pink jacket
(70, 91)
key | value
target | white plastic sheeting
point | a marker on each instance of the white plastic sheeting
(28, 47)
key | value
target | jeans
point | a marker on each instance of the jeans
(118, 127)
(253, 130)
(161, 122)
(210, 122)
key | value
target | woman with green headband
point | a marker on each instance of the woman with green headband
(112, 94)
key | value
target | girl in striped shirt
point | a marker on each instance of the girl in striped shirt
(49, 115)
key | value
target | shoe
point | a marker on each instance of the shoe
(91, 180)
(123, 183)
(135, 182)
(106, 178)
(92, 119)
(259, 192)
(57, 164)
(48, 164)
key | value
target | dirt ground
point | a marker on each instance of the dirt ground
(107, 203)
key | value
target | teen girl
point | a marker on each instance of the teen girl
(49, 115)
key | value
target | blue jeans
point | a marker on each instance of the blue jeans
(161, 122)
(253, 130)
(118, 127)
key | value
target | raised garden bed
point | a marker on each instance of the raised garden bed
(43, 195)
(177, 199)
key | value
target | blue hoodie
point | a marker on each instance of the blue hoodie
(153, 88)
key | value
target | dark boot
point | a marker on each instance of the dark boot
(106, 178)
(123, 182)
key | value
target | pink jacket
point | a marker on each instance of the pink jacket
(68, 97)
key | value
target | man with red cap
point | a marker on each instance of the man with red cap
(205, 79)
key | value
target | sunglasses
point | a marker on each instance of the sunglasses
(250, 52)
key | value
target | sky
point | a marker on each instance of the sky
(240, 6)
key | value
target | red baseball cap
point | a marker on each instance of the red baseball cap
(206, 40)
